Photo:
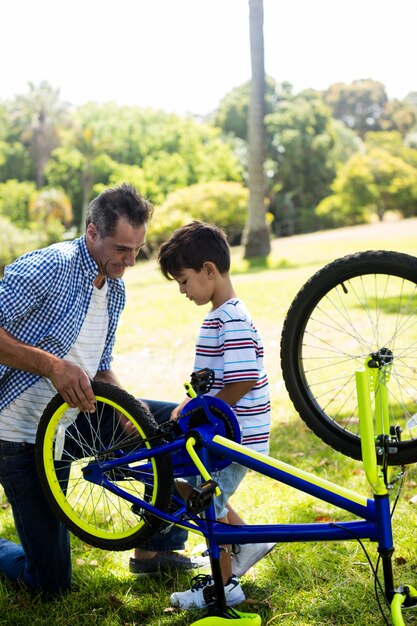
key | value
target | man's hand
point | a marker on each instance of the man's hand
(74, 385)
(69, 380)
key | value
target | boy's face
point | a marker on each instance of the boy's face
(197, 286)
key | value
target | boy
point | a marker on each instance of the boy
(197, 256)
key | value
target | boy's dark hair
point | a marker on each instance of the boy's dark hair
(191, 246)
(122, 201)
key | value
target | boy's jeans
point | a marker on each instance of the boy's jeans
(174, 539)
(42, 560)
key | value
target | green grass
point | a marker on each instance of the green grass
(310, 584)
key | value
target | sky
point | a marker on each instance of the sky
(184, 56)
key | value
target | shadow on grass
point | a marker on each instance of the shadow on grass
(260, 264)
(395, 305)
(294, 440)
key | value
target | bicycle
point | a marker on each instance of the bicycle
(360, 305)
(113, 486)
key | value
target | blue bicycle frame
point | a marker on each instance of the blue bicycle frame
(204, 448)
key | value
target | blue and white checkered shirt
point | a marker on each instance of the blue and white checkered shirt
(44, 298)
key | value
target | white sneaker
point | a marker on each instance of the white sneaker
(245, 555)
(201, 588)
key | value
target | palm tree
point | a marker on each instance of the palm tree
(90, 145)
(85, 142)
(256, 234)
(39, 114)
(50, 205)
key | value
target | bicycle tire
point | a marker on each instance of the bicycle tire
(67, 441)
(358, 305)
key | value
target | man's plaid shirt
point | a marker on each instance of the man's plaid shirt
(44, 298)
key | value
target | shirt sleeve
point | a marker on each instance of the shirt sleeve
(106, 359)
(26, 283)
(238, 339)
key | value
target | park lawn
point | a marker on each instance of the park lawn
(310, 584)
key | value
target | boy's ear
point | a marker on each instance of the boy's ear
(210, 268)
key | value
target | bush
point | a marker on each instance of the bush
(221, 203)
(14, 242)
(14, 201)
(336, 211)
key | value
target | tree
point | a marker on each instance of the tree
(303, 160)
(50, 205)
(304, 144)
(90, 146)
(398, 115)
(222, 202)
(393, 142)
(39, 115)
(157, 151)
(347, 142)
(232, 114)
(359, 105)
(14, 201)
(65, 170)
(134, 135)
(15, 162)
(256, 234)
(371, 183)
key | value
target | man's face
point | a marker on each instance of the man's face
(118, 251)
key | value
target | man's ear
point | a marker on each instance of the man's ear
(210, 269)
(91, 232)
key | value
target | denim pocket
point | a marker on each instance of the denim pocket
(13, 448)
(16, 456)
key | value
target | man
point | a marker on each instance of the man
(59, 309)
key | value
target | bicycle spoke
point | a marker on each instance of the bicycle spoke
(358, 309)
(86, 497)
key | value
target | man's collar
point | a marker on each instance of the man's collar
(89, 265)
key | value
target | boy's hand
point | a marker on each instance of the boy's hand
(176, 412)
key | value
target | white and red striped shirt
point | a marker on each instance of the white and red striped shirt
(230, 345)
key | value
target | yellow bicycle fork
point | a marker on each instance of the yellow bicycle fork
(371, 379)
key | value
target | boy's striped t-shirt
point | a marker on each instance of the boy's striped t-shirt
(229, 344)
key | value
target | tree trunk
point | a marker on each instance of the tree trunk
(256, 234)
(87, 185)
(44, 140)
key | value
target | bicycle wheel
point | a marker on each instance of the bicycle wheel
(360, 305)
(69, 445)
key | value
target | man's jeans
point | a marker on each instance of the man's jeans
(42, 560)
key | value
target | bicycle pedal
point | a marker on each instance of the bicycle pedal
(201, 497)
